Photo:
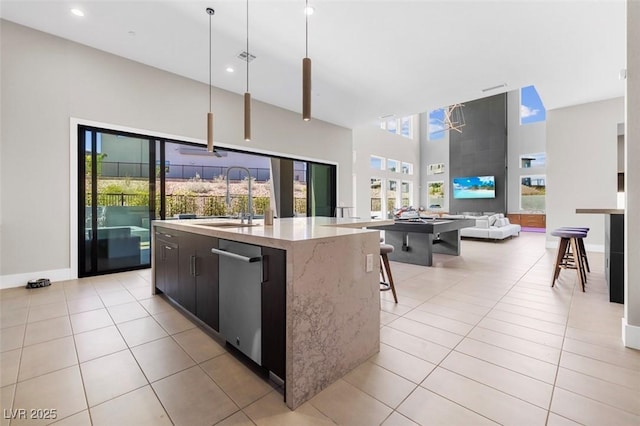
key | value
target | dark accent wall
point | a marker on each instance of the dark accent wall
(481, 150)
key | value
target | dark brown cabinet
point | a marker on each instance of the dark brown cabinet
(274, 310)
(166, 261)
(528, 220)
(188, 272)
(205, 279)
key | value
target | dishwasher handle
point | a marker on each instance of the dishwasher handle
(236, 256)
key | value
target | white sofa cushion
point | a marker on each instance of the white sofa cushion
(474, 232)
(501, 222)
(492, 219)
(504, 231)
(482, 223)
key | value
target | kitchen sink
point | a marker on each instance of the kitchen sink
(228, 224)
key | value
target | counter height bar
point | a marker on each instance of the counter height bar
(613, 250)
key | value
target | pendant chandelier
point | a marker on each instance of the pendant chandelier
(306, 69)
(210, 12)
(454, 118)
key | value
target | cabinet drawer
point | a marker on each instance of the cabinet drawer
(533, 220)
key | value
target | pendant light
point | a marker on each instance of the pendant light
(306, 69)
(247, 95)
(210, 12)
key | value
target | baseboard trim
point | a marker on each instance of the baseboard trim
(19, 280)
(630, 335)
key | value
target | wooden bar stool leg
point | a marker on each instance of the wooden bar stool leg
(576, 254)
(562, 249)
(387, 268)
(583, 254)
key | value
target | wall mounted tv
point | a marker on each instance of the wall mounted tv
(474, 187)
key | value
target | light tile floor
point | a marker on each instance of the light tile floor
(476, 339)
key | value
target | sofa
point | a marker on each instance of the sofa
(492, 227)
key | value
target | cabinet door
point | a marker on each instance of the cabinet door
(206, 282)
(274, 310)
(186, 292)
(171, 262)
(159, 266)
(165, 251)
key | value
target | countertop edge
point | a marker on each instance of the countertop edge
(600, 211)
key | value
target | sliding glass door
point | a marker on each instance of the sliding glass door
(116, 202)
(321, 189)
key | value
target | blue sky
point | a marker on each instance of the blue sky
(436, 124)
(531, 108)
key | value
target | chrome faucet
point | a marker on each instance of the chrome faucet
(250, 201)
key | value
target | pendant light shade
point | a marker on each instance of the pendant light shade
(247, 116)
(247, 95)
(306, 70)
(306, 89)
(210, 12)
(210, 131)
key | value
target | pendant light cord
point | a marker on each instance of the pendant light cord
(248, 54)
(306, 29)
(209, 62)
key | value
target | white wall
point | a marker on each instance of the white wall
(372, 140)
(521, 139)
(582, 166)
(46, 80)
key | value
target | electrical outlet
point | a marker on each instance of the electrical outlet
(369, 263)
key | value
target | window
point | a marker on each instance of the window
(400, 126)
(435, 195)
(532, 192)
(393, 166)
(436, 124)
(406, 194)
(407, 168)
(377, 163)
(376, 198)
(392, 196)
(405, 127)
(531, 108)
(533, 160)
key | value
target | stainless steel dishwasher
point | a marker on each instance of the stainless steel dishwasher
(240, 269)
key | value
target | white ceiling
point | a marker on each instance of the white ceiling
(370, 58)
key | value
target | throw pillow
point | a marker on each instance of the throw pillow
(492, 219)
(482, 223)
(502, 222)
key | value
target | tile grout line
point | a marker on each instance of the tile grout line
(555, 379)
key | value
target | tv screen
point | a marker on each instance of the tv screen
(474, 187)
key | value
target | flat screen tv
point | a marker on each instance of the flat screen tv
(474, 187)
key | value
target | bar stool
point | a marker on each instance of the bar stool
(569, 256)
(583, 251)
(387, 283)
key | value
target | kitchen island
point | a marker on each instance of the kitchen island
(324, 292)
(613, 250)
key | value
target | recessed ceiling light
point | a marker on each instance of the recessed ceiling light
(499, 86)
(309, 10)
(77, 12)
(230, 69)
